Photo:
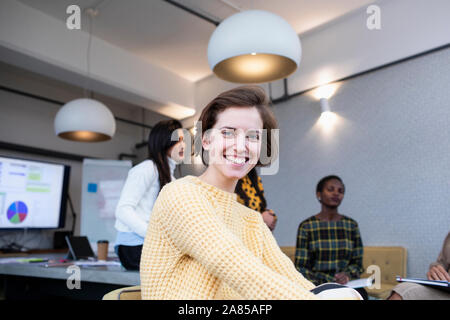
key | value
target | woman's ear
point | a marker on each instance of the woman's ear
(206, 139)
(205, 142)
(319, 196)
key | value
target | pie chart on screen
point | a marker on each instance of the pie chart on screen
(17, 212)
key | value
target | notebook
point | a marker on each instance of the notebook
(360, 283)
(441, 285)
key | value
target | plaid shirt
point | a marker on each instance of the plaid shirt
(325, 248)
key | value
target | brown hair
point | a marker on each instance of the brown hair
(244, 96)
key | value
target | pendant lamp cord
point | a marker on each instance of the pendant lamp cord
(232, 5)
(90, 14)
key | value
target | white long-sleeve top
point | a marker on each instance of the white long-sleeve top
(138, 197)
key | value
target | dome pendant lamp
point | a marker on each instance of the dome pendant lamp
(254, 46)
(85, 119)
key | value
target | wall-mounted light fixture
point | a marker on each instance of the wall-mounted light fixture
(254, 46)
(327, 118)
(324, 105)
(326, 114)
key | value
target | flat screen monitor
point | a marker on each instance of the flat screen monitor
(33, 194)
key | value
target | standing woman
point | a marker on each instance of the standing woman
(201, 243)
(329, 246)
(141, 188)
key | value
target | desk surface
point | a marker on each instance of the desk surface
(105, 274)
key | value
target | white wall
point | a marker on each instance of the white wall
(346, 46)
(390, 146)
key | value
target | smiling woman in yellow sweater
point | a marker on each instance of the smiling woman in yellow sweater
(201, 243)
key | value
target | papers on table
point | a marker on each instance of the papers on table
(21, 260)
(58, 263)
(85, 263)
(99, 263)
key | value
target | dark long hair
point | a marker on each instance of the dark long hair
(159, 141)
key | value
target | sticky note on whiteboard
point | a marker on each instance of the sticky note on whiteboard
(92, 187)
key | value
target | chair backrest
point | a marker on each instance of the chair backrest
(127, 293)
(391, 260)
(290, 252)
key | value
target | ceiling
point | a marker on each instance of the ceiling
(176, 40)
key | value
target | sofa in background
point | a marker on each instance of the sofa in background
(391, 260)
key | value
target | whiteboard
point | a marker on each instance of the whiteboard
(101, 185)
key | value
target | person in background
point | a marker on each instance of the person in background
(142, 187)
(250, 193)
(439, 270)
(329, 246)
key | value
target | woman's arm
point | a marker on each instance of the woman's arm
(192, 225)
(269, 218)
(138, 181)
(439, 270)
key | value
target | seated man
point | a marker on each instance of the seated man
(439, 270)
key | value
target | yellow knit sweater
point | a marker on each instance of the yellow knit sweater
(202, 244)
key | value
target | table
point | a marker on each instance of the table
(35, 281)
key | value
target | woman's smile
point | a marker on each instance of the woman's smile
(237, 160)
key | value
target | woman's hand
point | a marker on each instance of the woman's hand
(437, 272)
(341, 278)
(270, 219)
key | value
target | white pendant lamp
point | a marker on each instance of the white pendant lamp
(85, 120)
(254, 46)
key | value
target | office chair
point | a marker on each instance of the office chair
(127, 293)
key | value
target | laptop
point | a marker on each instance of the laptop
(79, 248)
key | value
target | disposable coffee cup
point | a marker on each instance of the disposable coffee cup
(102, 249)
